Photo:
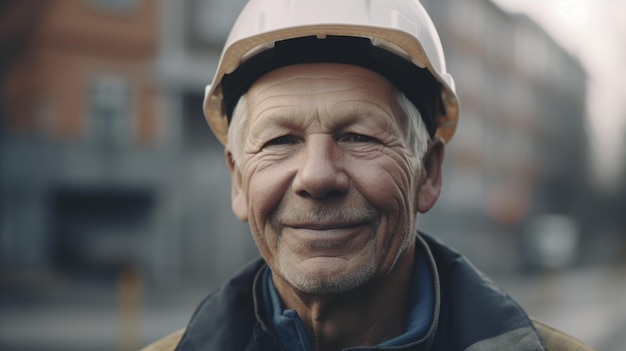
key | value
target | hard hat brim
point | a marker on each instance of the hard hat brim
(398, 42)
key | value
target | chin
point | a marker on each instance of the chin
(326, 278)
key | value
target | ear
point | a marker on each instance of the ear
(430, 184)
(237, 195)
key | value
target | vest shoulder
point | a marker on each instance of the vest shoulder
(556, 340)
(166, 343)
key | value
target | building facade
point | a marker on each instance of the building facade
(521, 147)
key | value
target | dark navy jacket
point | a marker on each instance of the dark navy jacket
(470, 313)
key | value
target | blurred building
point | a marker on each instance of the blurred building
(107, 162)
(213, 243)
(85, 167)
(521, 149)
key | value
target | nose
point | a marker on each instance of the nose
(322, 172)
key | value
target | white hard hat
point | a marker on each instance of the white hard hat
(395, 38)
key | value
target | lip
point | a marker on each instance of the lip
(326, 232)
(325, 226)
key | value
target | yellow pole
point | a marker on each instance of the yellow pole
(130, 302)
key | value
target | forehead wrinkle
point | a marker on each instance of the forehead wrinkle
(281, 115)
(304, 89)
(364, 97)
(364, 105)
(267, 108)
(368, 93)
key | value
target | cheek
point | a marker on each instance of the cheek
(265, 188)
(388, 183)
(263, 194)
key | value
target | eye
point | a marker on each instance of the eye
(281, 140)
(359, 138)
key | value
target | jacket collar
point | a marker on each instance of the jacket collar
(469, 312)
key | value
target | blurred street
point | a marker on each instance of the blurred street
(80, 315)
(589, 303)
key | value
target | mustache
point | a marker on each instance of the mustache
(331, 213)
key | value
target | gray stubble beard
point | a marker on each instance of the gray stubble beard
(328, 284)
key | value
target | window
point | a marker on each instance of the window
(109, 104)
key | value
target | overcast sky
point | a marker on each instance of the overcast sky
(595, 32)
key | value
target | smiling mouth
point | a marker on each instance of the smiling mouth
(327, 239)
(328, 235)
(331, 222)
(325, 226)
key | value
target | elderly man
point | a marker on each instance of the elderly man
(334, 115)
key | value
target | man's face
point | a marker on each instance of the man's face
(326, 180)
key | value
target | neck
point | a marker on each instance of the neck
(366, 316)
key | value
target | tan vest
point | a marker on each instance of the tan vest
(553, 339)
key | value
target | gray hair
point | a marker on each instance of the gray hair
(416, 136)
